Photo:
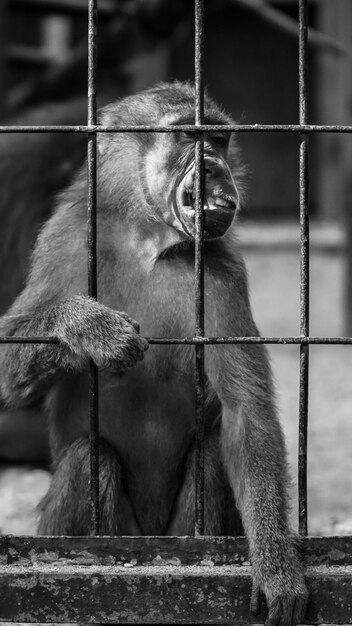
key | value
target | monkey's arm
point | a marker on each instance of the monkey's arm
(86, 329)
(255, 459)
(254, 453)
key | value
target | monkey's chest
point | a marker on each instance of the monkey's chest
(145, 417)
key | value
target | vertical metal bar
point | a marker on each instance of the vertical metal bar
(304, 269)
(199, 265)
(92, 259)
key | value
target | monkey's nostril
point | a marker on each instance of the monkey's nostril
(213, 169)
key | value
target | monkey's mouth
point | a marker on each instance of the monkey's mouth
(220, 203)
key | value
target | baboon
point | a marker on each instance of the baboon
(146, 228)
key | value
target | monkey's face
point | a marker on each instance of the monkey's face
(171, 180)
(220, 192)
(153, 175)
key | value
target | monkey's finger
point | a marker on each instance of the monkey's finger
(120, 366)
(274, 615)
(292, 610)
(287, 618)
(133, 346)
(143, 344)
(132, 352)
(130, 320)
(299, 610)
(136, 345)
(134, 356)
(255, 600)
(139, 351)
(135, 325)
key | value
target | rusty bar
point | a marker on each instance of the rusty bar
(92, 260)
(231, 128)
(300, 340)
(199, 265)
(253, 340)
(19, 339)
(304, 269)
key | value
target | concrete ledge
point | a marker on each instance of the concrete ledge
(150, 582)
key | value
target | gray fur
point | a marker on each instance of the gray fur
(147, 427)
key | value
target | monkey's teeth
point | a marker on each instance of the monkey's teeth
(222, 202)
(210, 204)
(188, 181)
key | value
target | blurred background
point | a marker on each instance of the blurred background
(251, 68)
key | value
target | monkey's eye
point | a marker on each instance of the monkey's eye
(220, 140)
(189, 134)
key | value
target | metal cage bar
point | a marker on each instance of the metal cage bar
(303, 129)
(230, 128)
(92, 258)
(304, 269)
(199, 266)
(53, 565)
(207, 340)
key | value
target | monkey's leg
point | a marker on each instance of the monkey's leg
(220, 514)
(86, 329)
(65, 510)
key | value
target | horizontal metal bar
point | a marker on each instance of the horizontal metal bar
(206, 340)
(206, 128)
(19, 339)
(253, 340)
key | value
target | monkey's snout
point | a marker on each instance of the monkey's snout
(217, 221)
(220, 199)
(213, 169)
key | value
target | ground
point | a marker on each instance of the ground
(272, 257)
(274, 279)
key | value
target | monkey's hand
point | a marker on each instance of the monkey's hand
(86, 329)
(285, 592)
(92, 330)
